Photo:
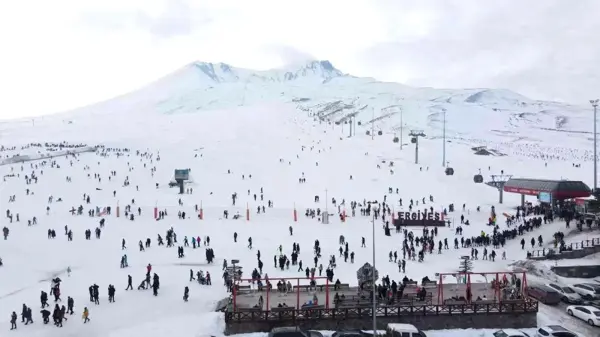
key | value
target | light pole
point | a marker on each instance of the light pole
(374, 281)
(594, 103)
(401, 128)
(444, 139)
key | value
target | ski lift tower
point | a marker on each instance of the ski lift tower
(180, 177)
(498, 182)
(415, 134)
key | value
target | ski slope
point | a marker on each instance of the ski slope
(276, 142)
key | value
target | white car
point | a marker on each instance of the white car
(585, 313)
(586, 291)
(568, 295)
(554, 331)
(510, 333)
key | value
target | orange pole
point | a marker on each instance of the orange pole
(118, 209)
(155, 212)
(201, 214)
(344, 215)
(295, 214)
(247, 213)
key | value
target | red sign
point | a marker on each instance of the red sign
(526, 191)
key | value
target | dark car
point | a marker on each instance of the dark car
(293, 331)
(544, 294)
(350, 333)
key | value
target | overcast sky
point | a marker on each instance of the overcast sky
(61, 54)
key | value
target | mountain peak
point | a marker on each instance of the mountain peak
(322, 69)
(209, 74)
(217, 72)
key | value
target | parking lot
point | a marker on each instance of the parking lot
(557, 314)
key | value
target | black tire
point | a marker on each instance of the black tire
(590, 322)
(570, 312)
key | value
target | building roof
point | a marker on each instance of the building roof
(561, 189)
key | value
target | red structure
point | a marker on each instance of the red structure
(267, 290)
(498, 276)
(559, 189)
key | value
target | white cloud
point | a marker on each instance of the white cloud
(67, 53)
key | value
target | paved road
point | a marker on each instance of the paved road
(548, 315)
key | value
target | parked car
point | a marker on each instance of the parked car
(585, 313)
(544, 294)
(568, 295)
(403, 330)
(587, 291)
(554, 331)
(293, 331)
(510, 333)
(349, 333)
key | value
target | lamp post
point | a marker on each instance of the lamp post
(444, 139)
(374, 281)
(594, 103)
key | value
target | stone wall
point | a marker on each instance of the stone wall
(424, 322)
(577, 271)
(569, 254)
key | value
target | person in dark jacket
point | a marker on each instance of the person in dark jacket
(13, 321)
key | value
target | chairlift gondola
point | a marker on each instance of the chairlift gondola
(396, 140)
(413, 140)
(449, 171)
(359, 123)
(368, 133)
(478, 178)
(379, 133)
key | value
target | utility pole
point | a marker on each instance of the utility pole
(415, 134)
(444, 139)
(326, 215)
(374, 282)
(350, 135)
(401, 127)
(373, 124)
(594, 103)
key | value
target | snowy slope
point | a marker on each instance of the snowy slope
(496, 118)
(267, 129)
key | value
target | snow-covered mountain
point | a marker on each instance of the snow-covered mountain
(475, 117)
(316, 71)
(203, 74)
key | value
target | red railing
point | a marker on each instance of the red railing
(284, 314)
